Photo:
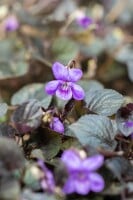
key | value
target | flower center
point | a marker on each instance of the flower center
(80, 175)
(65, 86)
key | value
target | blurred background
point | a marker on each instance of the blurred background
(98, 34)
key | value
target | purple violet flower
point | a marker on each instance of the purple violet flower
(11, 24)
(47, 183)
(82, 177)
(84, 21)
(57, 125)
(64, 86)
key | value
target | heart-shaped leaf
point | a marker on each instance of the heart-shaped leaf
(104, 102)
(94, 130)
(12, 69)
(31, 91)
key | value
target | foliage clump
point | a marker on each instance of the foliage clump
(66, 101)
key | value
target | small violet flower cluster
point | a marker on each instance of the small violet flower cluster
(11, 24)
(65, 87)
(47, 182)
(82, 177)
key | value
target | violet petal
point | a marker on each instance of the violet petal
(57, 125)
(84, 21)
(74, 74)
(129, 124)
(97, 182)
(11, 23)
(82, 187)
(44, 184)
(41, 164)
(93, 162)
(60, 71)
(64, 94)
(47, 182)
(50, 180)
(51, 87)
(71, 159)
(77, 91)
(69, 186)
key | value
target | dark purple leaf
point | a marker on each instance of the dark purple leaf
(27, 116)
